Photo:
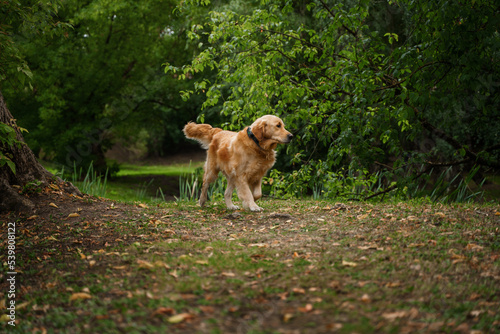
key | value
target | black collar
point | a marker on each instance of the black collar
(252, 136)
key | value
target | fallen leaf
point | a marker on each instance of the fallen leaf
(287, 317)
(120, 267)
(33, 217)
(73, 215)
(207, 309)
(142, 205)
(204, 262)
(79, 295)
(4, 318)
(440, 215)
(366, 298)
(22, 305)
(163, 311)
(228, 274)
(299, 290)
(305, 309)
(394, 315)
(349, 264)
(145, 264)
(53, 205)
(393, 284)
(473, 247)
(257, 256)
(260, 245)
(180, 318)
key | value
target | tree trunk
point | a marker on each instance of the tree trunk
(28, 169)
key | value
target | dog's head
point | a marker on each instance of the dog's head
(269, 131)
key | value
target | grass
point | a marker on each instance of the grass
(167, 170)
(300, 265)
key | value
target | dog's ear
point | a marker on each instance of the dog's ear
(259, 129)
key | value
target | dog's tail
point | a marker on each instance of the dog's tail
(203, 133)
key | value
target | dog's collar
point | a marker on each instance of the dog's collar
(252, 136)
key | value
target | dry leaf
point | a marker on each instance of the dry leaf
(440, 215)
(22, 305)
(473, 247)
(305, 309)
(33, 217)
(145, 264)
(207, 309)
(349, 264)
(142, 205)
(120, 267)
(4, 318)
(163, 311)
(299, 290)
(393, 284)
(204, 262)
(73, 215)
(394, 315)
(228, 274)
(53, 205)
(287, 317)
(366, 298)
(260, 245)
(79, 295)
(180, 318)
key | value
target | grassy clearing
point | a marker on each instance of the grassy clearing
(299, 267)
(168, 170)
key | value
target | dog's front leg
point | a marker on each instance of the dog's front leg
(246, 196)
(228, 195)
(257, 190)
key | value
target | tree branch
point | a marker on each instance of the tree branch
(352, 32)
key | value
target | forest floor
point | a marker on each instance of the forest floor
(92, 265)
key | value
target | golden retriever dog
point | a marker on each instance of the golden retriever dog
(243, 157)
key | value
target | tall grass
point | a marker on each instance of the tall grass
(190, 187)
(92, 183)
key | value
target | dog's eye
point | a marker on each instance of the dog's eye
(278, 126)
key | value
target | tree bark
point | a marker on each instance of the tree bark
(28, 169)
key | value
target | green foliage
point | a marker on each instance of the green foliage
(190, 187)
(7, 139)
(31, 18)
(91, 182)
(356, 94)
(32, 188)
(103, 82)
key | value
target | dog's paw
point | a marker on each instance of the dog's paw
(233, 207)
(256, 209)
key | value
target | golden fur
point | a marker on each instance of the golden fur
(242, 160)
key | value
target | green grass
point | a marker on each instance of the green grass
(167, 170)
(364, 268)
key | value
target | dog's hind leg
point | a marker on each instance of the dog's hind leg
(209, 177)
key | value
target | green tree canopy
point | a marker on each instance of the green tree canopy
(358, 94)
(104, 81)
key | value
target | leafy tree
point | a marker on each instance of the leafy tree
(104, 81)
(18, 165)
(360, 96)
